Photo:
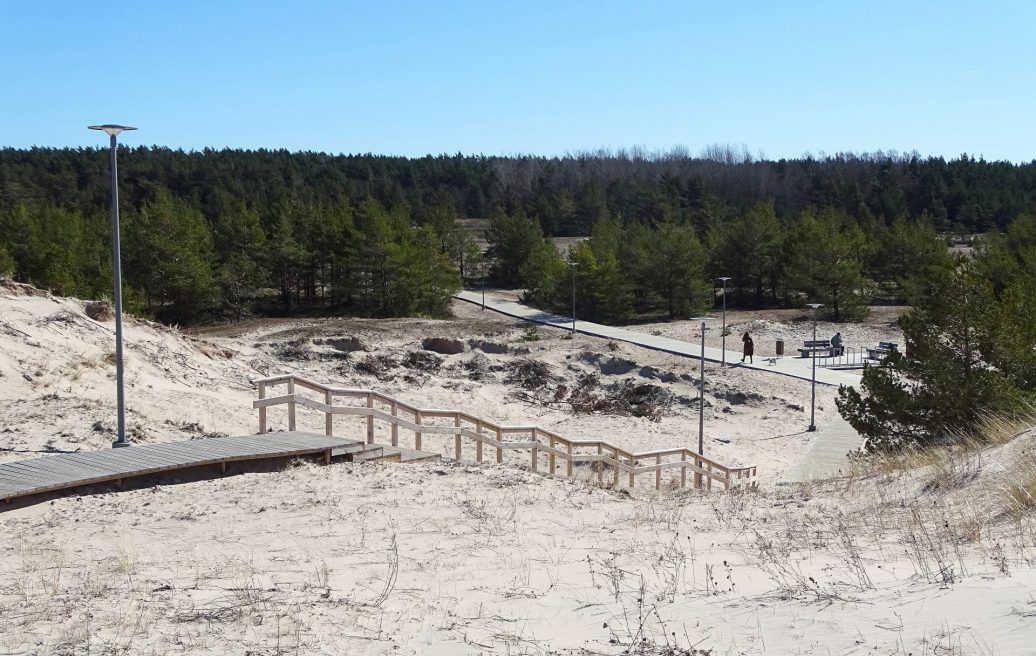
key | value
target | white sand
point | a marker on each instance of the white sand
(462, 559)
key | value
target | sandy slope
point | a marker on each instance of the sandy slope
(462, 559)
(57, 371)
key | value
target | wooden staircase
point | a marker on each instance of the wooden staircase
(544, 448)
(357, 451)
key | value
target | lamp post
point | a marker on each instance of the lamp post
(701, 389)
(723, 333)
(482, 276)
(112, 131)
(573, 266)
(813, 386)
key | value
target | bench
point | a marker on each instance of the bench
(812, 348)
(881, 351)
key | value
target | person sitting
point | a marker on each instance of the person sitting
(836, 345)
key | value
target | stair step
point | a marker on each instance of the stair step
(368, 453)
(363, 452)
(412, 455)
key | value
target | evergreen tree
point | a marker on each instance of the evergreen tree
(903, 250)
(669, 268)
(168, 253)
(826, 263)
(947, 383)
(748, 250)
(6, 262)
(511, 240)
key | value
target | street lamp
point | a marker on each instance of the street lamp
(573, 266)
(112, 131)
(813, 387)
(723, 333)
(482, 275)
(701, 389)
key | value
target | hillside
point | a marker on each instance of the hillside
(934, 556)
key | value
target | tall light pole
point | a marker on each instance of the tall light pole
(813, 387)
(482, 275)
(573, 266)
(723, 333)
(112, 131)
(701, 390)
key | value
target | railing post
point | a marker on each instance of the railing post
(417, 433)
(658, 472)
(633, 463)
(708, 479)
(615, 468)
(456, 438)
(370, 419)
(535, 451)
(600, 465)
(683, 469)
(291, 404)
(395, 426)
(478, 446)
(551, 459)
(262, 411)
(499, 449)
(569, 468)
(697, 474)
(329, 400)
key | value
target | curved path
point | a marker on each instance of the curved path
(795, 367)
(826, 456)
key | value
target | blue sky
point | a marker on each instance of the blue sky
(412, 78)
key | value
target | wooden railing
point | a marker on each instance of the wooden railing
(540, 443)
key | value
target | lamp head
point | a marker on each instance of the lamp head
(815, 306)
(702, 319)
(111, 130)
(724, 278)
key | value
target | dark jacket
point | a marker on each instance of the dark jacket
(749, 345)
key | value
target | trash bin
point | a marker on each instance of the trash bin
(780, 347)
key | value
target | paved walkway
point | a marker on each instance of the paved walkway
(787, 366)
(826, 456)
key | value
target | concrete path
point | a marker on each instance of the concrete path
(826, 456)
(787, 366)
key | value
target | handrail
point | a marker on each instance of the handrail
(555, 447)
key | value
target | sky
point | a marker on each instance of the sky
(524, 77)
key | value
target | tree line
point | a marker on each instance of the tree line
(179, 266)
(219, 233)
(633, 269)
(565, 194)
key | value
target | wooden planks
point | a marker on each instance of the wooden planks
(67, 470)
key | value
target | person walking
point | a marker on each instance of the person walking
(749, 348)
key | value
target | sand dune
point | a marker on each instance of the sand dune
(455, 558)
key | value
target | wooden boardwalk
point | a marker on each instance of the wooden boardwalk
(828, 456)
(23, 478)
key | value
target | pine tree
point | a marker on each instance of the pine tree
(6, 262)
(947, 383)
(826, 263)
(748, 250)
(168, 253)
